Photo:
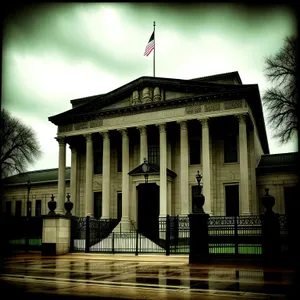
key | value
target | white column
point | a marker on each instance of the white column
(184, 169)
(253, 173)
(206, 166)
(143, 143)
(73, 183)
(163, 171)
(244, 172)
(125, 182)
(106, 176)
(61, 193)
(89, 170)
(169, 183)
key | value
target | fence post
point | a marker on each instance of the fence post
(270, 232)
(87, 234)
(113, 243)
(236, 238)
(137, 243)
(73, 224)
(27, 232)
(168, 235)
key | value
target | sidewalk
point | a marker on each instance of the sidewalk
(106, 276)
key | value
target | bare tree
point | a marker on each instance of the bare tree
(281, 99)
(19, 145)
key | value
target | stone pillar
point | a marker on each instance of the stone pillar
(61, 175)
(89, 170)
(206, 166)
(184, 169)
(143, 143)
(73, 181)
(270, 227)
(199, 247)
(163, 171)
(56, 235)
(106, 176)
(244, 171)
(125, 223)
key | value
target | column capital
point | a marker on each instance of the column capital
(124, 132)
(204, 122)
(183, 124)
(142, 129)
(61, 140)
(88, 137)
(162, 127)
(242, 118)
(72, 148)
(105, 135)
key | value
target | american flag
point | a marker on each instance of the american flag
(150, 45)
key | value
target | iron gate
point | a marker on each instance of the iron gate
(229, 237)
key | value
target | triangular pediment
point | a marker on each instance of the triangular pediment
(153, 170)
(144, 90)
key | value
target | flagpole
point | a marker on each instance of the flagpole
(154, 50)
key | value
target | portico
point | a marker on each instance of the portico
(167, 130)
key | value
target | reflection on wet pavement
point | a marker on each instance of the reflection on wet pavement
(128, 277)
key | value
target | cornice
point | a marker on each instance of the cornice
(156, 106)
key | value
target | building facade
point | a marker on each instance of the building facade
(213, 125)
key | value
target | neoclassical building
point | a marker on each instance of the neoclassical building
(213, 125)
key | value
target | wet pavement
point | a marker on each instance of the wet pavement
(33, 276)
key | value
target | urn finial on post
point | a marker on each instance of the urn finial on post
(268, 201)
(52, 206)
(68, 205)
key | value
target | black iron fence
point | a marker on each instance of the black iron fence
(229, 237)
(22, 233)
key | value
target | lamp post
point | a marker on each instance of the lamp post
(199, 198)
(146, 169)
(199, 181)
(28, 192)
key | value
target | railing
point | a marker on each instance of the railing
(235, 236)
(22, 233)
(229, 237)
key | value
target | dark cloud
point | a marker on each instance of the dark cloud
(55, 29)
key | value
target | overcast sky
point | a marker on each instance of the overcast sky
(61, 51)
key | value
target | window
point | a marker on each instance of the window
(119, 205)
(232, 200)
(38, 208)
(18, 211)
(230, 149)
(119, 157)
(194, 152)
(8, 207)
(98, 205)
(153, 153)
(98, 158)
(289, 200)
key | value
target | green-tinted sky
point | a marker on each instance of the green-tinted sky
(53, 53)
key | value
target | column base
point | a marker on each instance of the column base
(247, 213)
(124, 226)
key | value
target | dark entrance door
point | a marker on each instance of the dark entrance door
(148, 209)
(232, 200)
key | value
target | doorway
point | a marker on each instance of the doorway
(232, 200)
(148, 210)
